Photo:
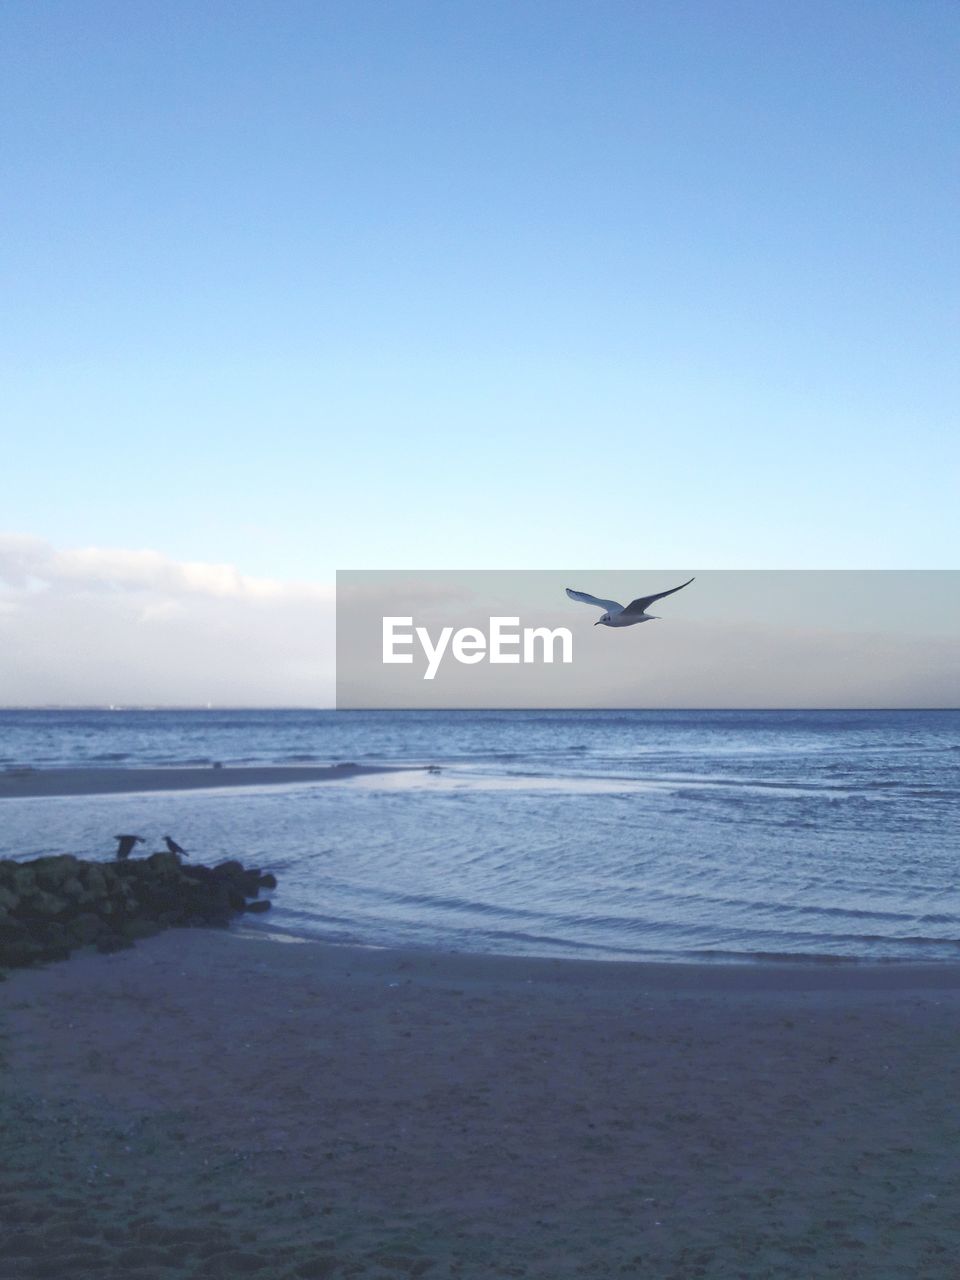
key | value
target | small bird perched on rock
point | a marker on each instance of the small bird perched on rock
(174, 847)
(125, 845)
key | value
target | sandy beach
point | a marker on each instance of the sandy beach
(220, 1103)
(19, 784)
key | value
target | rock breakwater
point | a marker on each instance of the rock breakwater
(50, 906)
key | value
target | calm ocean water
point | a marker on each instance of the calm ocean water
(644, 834)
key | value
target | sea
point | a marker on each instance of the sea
(731, 836)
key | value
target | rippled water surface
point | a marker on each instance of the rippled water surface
(822, 834)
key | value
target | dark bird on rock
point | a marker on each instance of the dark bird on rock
(174, 847)
(125, 845)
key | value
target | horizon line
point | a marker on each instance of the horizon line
(204, 707)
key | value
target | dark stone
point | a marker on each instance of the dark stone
(23, 879)
(17, 955)
(259, 907)
(53, 934)
(229, 868)
(134, 929)
(170, 919)
(85, 929)
(12, 930)
(165, 864)
(73, 889)
(110, 942)
(250, 883)
(51, 905)
(319, 1267)
(52, 872)
(198, 873)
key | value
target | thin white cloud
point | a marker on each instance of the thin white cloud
(98, 625)
(25, 559)
(162, 611)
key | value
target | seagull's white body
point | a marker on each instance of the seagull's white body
(624, 619)
(618, 615)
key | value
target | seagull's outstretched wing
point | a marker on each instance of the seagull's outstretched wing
(608, 606)
(639, 605)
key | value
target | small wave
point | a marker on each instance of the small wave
(441, 902)
(311, 917)
(709, 902)
(807, 957)
(176, 762)
(774, 957)
(897, 939)
(735, 793)
(569, 946)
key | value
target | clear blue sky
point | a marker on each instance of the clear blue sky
(356, 284)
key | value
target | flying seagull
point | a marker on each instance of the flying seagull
(616, 615)
(125, 845)
(174, 847)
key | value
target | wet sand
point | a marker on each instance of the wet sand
(18, 784)
(217, 1103)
